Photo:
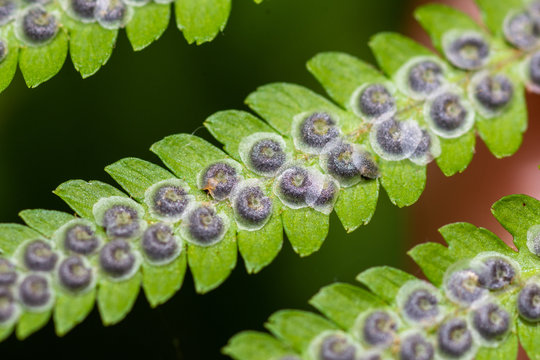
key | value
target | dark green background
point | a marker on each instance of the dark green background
(69, 128)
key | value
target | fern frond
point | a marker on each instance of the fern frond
(285, 174)
(89, 28)
(497, 300)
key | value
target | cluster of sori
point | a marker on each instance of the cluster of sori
(478, 81)
(475, 307)
(78, 253)
(197, 216)
(32, 29)
(37, 22)
(317, 134)
(288, 174)
(118, 238)
(522, 29)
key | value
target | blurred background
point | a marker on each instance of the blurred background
(68, 128)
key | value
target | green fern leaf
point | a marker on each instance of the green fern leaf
(90, 46)
(71, 310)
(404, 326)
(230, 127)
(384, 282)
(456, 154)
(266, 347)
(494, 13)
(115, 299)
(341, 302)
(90, 34)
(8, 66)
(30, 322)
(39, 64)
(12, 235)
(148, 24)
(437, 19)
(297, 328)
(202, 20)
(260, 248)
(210, 266)
(297, 184)
(433, 259)
(161, 283)
(45, 221)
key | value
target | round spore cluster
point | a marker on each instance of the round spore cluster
(267, 156)
(334, 346)
(491, 321)
(203, 225)
(39, 255)
(468, 51)
(522, 30)
(373, 101)
(118, 260)
(120, 216)
(79, 237)
(159, 244)
(252, 207)
(415, 346)
(463, 286)
(263, 153)
(454, 338)
(419, 302)
(8, 10)
(449, 114)
(82, 10)
(294, 184)
(395, 140)
(75, 274)
(168, 200)
(36, 25)
(35, 291)
(492, 93)
(112, 14)
(8, 306)
(219, 179)
(496, 272)
(313, 131)
(378, 328)
(424, 77)
(528, 302)
(323, 197)
(121, 221)
(8, 272)
(348, 163)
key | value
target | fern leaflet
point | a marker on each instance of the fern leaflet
(285, 174)
(482, 296)
(36, 34)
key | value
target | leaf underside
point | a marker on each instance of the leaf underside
(344, 307)
(91, 40)
(304, 220)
